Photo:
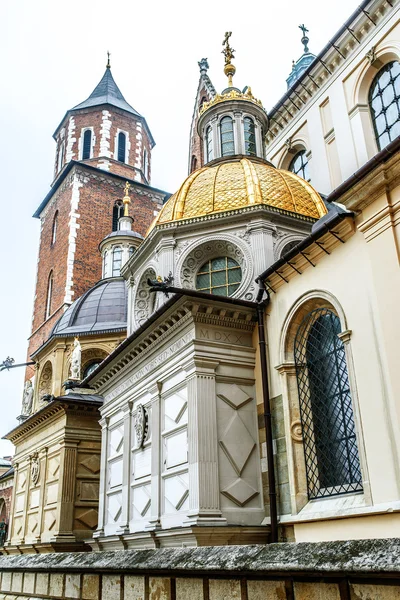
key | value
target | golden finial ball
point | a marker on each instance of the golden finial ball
(229, 70)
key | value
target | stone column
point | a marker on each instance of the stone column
(259, 139)
(155, 511)
(103, 478)
(238, 132)
(66, 491)
(204, 505)
(12, 507)
(123, 527)
(216, 138)
(262, 243)
(130, 285)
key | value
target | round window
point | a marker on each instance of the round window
(220, 276)
(90, 368)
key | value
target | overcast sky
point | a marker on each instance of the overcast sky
(53, 54)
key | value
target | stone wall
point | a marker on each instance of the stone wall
(355, 570)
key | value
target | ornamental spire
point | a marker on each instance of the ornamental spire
(108, 60)
(305, 39)
(228, 52)
(127, 199)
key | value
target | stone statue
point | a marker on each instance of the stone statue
(3, 532)
(76, 360)
(27, 399)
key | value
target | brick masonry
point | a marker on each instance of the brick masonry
(354, 570)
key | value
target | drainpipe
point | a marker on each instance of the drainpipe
(261, 305)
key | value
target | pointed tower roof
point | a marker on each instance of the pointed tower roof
(107, 92)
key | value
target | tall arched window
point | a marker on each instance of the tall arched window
(87, 144)
(145, 163)
(49, 295)
(118, 212)
(121, 146)
(105, 259)
(227, 137)
(54, 229)
(60, 156)
(116, 261)
(384, 102)
(209, 144)
(330, 444)
(299, 165)
(249, 137)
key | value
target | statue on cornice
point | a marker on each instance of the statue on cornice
(76, 360)
(27, 399)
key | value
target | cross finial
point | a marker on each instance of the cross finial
(304, 39)
(229, 68)
(108, 60)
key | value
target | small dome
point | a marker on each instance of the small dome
(237, 183)
(103, 308)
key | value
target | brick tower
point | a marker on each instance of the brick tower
(101, 143)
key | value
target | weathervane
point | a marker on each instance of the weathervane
(108, 60)
(304, 39)
(228, 52)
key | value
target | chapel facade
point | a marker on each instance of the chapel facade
(251, 394)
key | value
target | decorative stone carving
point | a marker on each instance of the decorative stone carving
(45, 380)
(76, 360)
(35, 469)
(296, 431)
(199, 255)
(141, 425)
(144, 300)
(27, 399)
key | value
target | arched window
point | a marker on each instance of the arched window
(330, 445)
(121, 146)
(54, 230)
(384, 102)
(193, 164)
(209, 144)
(220, 276)
(145, 163)
(118, 212)
(87, 144)
(227, 137)
(49, 295)
(90, 368)
(116, 261)
(299, 165)
(60, 156)
(289, 246)
(249, 137)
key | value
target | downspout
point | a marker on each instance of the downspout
(261, 305)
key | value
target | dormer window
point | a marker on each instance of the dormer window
(249, 137)
(209, 144)
(87, 144)
(227, 137)
(121, 146)
(116, 261)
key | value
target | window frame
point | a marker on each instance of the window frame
(54, 229)
(222, 133)
(384, 110)
(49, 295)
(304, 165)
(121, 136)
(248, 119)
(87, 130)
(115, 250)
(207, 269)
(209, 144)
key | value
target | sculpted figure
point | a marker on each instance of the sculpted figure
(76, 360)
(27, 399)
(3, 532)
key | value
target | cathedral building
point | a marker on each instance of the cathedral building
(231, 357)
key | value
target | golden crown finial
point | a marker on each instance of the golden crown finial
(126, 199)
(108, 60)
(228, 52)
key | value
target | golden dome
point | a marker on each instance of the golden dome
(237, 183)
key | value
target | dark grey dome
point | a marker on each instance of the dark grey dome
(103, 308)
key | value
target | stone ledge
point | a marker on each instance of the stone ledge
(362, 558)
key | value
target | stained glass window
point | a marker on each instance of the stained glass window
(384, 102)
(227, 137)
(249, 137)
(220, 276)
(329, 437)
(299, 165)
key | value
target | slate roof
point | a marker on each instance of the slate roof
(107, 92)
(101, 309)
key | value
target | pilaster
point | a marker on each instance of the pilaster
(103, 469)
(204, 505)
(43, 471)
(262, 243)
(155, 511)
(66, 491)
(126, 470)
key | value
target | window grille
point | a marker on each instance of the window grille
(227, 137)
(330, 445)
(87, 143)
(121, 146)
(220, 276)
(249, 137)
(299, 165)
(116, 261)
(384, 102)
(118, 212)
(209, 144)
